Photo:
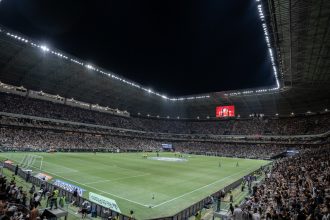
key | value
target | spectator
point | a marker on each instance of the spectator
(238, 213)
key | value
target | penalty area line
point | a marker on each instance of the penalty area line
(79, 183)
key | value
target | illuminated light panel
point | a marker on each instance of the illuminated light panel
(44, 48)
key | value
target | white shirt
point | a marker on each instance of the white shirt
(255, 216)
(238, 214)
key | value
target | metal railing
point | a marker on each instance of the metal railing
(191, 210)
(101, 211)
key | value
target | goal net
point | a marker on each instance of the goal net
(32, 162)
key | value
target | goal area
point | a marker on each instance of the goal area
(32, 162)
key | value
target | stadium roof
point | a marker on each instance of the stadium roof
(153, 43)
(298, 33)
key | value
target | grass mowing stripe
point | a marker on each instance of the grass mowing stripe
(82, 184)
(127, 177)
(218, 181)
(167, 180)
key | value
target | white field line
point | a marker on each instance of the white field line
(218, 181)
(95, 188)
(127, 177)
(155, 206)
(61, 167)
(73, 171)
(82, 184)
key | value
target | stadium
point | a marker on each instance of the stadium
(165, 110)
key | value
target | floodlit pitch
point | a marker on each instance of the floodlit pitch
(152, 187)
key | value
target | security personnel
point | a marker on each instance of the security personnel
(54, 197)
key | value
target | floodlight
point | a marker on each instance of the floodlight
(44, 48)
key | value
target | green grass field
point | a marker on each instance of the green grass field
(132, 181)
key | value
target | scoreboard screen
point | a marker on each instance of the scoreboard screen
(225, 111)
(167, 146)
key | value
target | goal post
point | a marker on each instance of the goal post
(32, 161)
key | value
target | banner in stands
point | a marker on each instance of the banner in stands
(43, 176)
(69, 187)
(104, 201)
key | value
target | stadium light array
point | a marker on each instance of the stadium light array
(91, 67)
(44, 48)
(174, 99)
(271, 56)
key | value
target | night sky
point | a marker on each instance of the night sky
(175, 47)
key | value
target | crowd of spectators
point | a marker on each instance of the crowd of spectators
(255, 126)
(295, 188)
(27, 121)
(243, 150)
(43, 140)
(31, 139)
(16, 203)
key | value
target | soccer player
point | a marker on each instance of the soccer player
(237, 165)
(219, 163)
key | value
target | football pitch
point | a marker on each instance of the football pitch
(154, 187)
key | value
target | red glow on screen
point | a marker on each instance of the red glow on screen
(225, 111)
